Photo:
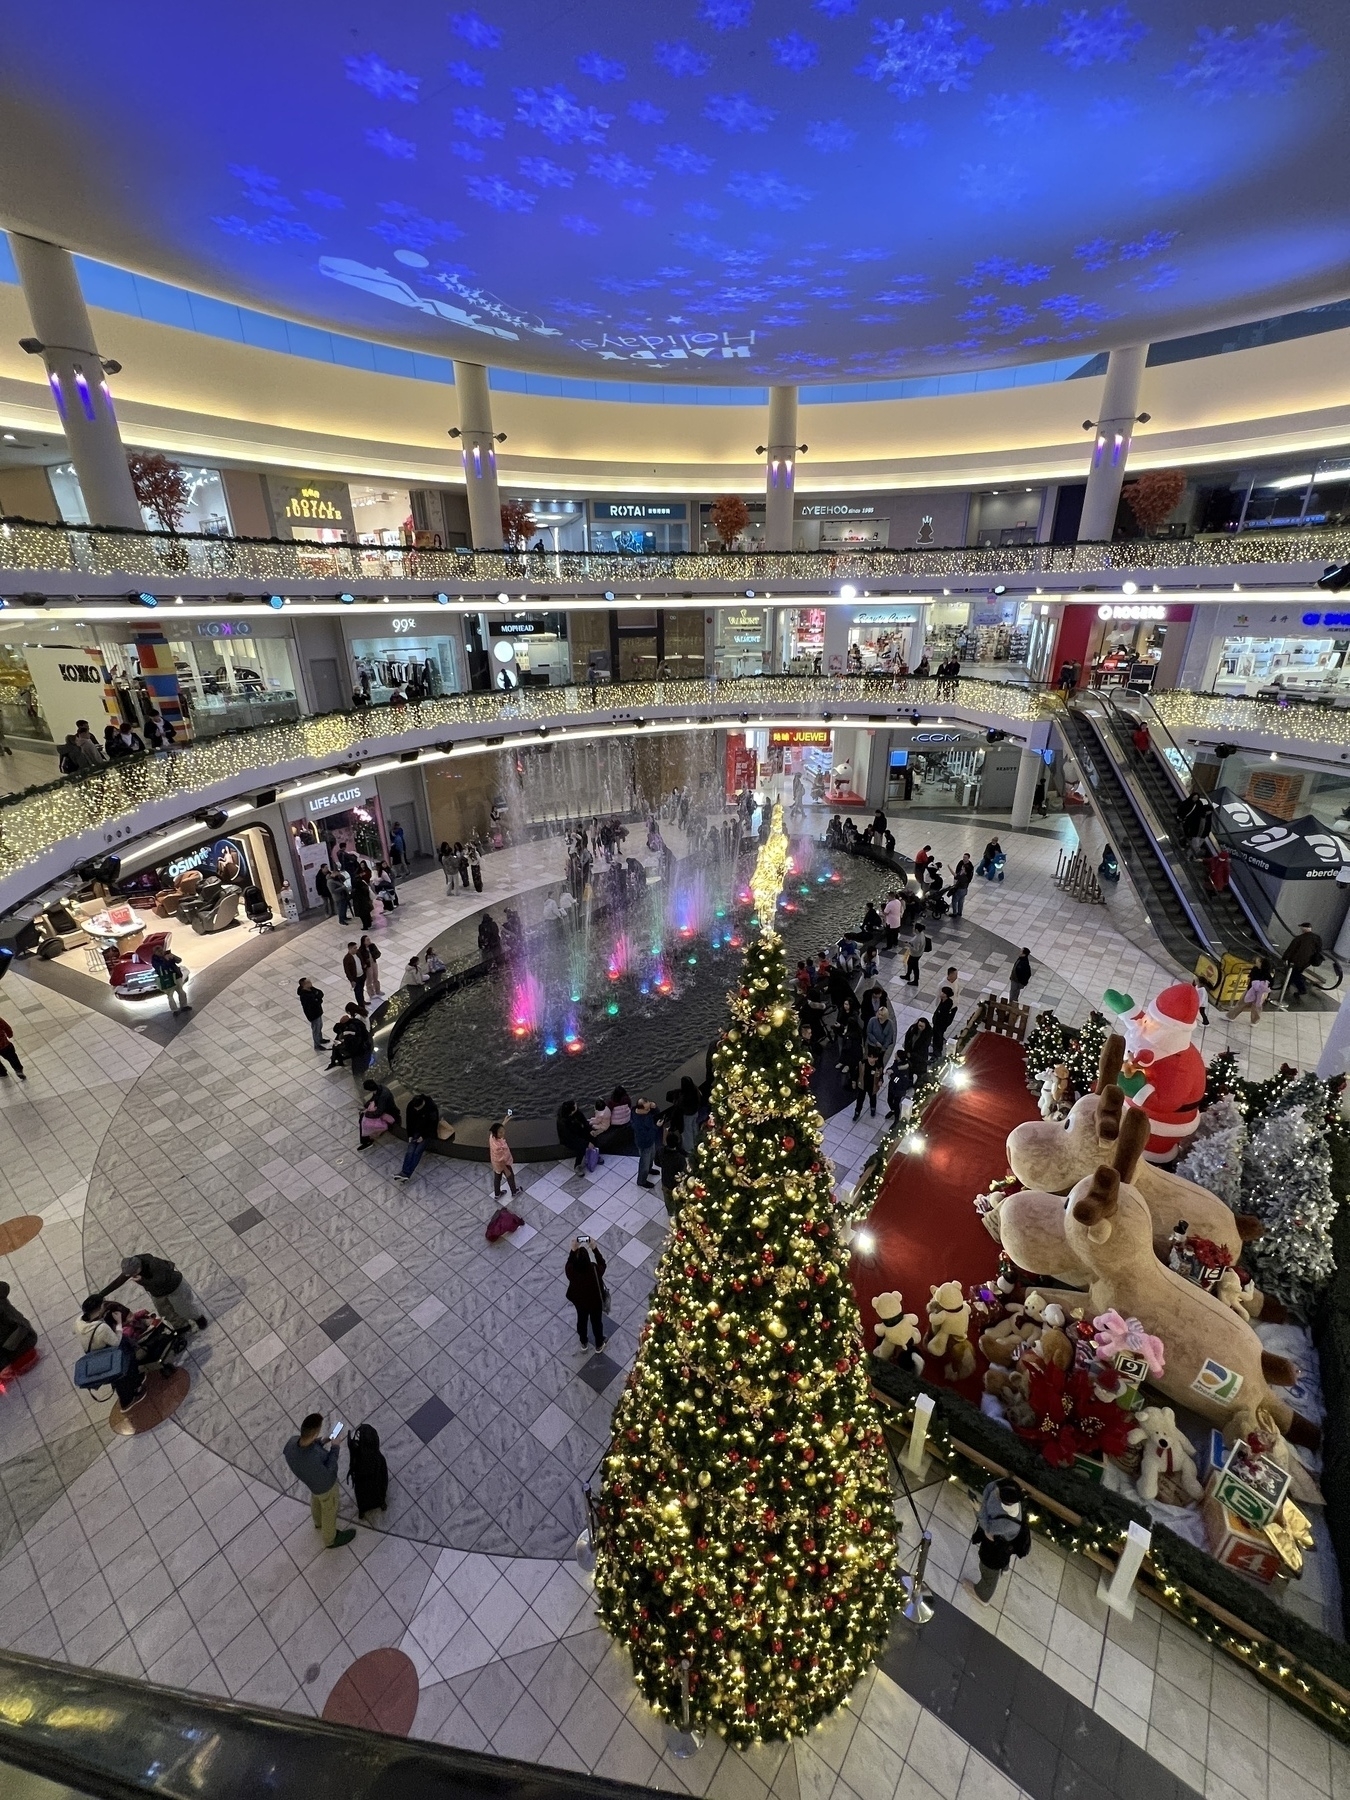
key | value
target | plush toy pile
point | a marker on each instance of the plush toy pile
(1122, 1300)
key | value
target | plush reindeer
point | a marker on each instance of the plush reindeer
(1215, 1362)
(1051, 1157)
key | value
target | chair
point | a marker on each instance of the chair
(256, 910)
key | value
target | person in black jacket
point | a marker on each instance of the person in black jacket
(673, 1162)
(574, 1133)
(422, 1121)
(352, 1042)
(918, 1046)
(311, 1005)
(944, 1017)
(17, 1336)
(380, 1104)
(586, 1288)
(1021, 975)
(174, 1299)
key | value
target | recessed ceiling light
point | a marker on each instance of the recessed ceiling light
(10, 438)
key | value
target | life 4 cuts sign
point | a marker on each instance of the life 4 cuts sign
(71, 683)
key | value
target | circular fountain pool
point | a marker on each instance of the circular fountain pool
(628, 1000)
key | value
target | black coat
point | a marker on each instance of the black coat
(943, 1015)
(574, 1133)
(311, 1002)
(423, 1116)
(1021, 971)
(585, 1279)
(158, 1276)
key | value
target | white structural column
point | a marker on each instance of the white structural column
(780, 470)
(480, 455)
(79, 386)
(1111, 449)
(1029, 772)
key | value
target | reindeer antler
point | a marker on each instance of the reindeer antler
(1113, 1056)
(1101, 1199)
(1110, 1108)
(1134, 1134)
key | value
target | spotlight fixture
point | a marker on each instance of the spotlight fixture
(916, 718)
(1000, 589)
(749, 593)
(745, 718)
(276, 601)
(607, 595)
(1223, 751)
(351, 768)
(347, 599)
(212, 816)
(143, 599)
(848, 592)
(639, 723)
(543, 731)
(1129, 587)
(442, 599)
(826, 717)
(103, 870)
(994, 737)
(408, 755)
(1335, 578)
(266, 798)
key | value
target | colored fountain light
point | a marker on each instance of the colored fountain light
(527, 1006)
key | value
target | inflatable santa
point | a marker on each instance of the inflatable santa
(1164, 1074)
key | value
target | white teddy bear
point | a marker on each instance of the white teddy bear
(898, 1330)
(1166, 1451)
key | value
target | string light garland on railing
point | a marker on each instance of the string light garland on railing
(36, 548)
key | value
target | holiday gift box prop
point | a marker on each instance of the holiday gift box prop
(1237, 1546)
(1290, 1535)
(1133, 1372)
(1250, 1485)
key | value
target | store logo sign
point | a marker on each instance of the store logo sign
(793, 735)
(80, 672)
(224, 628)
(638, 509)
(834, 509)
(404, 624)
(1333, 619)
(343, 797)
(309, 503)
(936, 737)
(1133, 614)
(195, 859)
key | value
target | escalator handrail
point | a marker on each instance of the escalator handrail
(1205, 937)
(114, 1738)
(1160, 732)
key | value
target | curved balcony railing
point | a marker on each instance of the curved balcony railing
(31, 548)
(47, 829)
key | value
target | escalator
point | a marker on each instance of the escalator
(1178, 911)
(1161, 791)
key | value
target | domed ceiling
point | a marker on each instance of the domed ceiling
(709, 191)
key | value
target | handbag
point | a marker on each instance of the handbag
(102, 1368)
(373, 1125)
(927, 945)
(445, 1131)
(592, 1158)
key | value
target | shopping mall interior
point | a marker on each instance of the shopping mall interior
(789, 571)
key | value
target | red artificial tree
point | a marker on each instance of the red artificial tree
(161, 487)
(518, 525)
(1153, 496)
(730, 516)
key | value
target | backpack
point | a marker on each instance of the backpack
(103, 1368)
(367, 1470)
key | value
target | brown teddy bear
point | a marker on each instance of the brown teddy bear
(948, 1317)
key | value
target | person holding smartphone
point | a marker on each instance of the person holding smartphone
(313, 1459)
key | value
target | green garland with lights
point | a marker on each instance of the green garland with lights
(1301, 1662)
(746, 1520)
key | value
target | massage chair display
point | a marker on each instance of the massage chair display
(212, 906)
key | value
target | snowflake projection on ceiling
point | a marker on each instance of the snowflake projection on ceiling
(730, 191)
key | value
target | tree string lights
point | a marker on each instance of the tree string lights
(746, 1520)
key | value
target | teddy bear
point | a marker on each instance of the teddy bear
(898, 1330)
(948, 1317)
(1168, 1457)
(1006, 1389)
(960, 1363)
(1019, 1325)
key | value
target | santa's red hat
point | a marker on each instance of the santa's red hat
(1177, 1006)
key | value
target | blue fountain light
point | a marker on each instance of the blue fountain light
(813, 190)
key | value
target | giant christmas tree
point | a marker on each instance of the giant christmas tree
(746, 1520)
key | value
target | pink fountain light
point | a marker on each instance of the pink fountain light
(527, 1006)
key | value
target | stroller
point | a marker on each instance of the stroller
(147, 1344)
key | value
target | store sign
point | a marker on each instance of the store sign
(1335, 620)
(638, 509)
(310, 506)
(834, 509)
(218, 628)
(885, 616)
(80, 672)
(520, 628)
(787, 735)
(222, 856)
(1132, 614)
(70, 685)
(937, 737)
(342, 797)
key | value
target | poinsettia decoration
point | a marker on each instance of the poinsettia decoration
(1071, 1420)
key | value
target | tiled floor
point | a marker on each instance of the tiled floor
(186, 1555)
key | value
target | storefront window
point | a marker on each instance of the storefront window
(1247, 665)
(229, 677)
(322, 826)
(529, 650)
(880, 639)
(684, 641)
(802, 639)
(640, 527)
(742, 641)
(771, 761)
(415, 666)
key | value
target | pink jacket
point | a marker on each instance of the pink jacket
(499, 1154)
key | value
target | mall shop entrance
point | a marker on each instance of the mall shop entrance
(322, 825)
(937, 774)
(769, 761)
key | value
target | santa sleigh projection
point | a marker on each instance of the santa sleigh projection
(1163, 1072)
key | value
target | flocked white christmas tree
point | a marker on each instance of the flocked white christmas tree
(1214, 1160)
(1286, 1182)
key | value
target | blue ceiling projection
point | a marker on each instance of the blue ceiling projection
(717, 191)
